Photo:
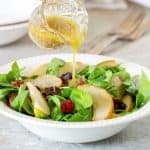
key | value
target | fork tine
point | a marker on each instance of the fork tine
(132, 14)
(129, 25)
(141, 29)
(132, 23)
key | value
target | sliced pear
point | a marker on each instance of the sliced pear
(115, 115)
(45, 81)
(103, 102)
(11, 99)
(41, 70)
(69, 66)
(41, 108)
(117, 82)
(128, 101)
(73, 83)
(108, 63)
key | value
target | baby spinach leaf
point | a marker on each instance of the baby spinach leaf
(55, 100)
(82, 115)
(143, 94)
(66, 92)
(54, 66)
(66, 117)
(81, 99)
(55, 105)
(56, 114)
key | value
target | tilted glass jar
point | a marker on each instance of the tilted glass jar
(55, 23)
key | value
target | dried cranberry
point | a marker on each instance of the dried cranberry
(17, 83)
(66, 77)
(52, 91)
(67, 106)
(119, 105)
(82, 81)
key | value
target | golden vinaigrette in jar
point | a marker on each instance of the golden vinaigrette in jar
(56, 23)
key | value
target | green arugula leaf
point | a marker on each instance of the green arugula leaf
(98, 82)
(98, 72)
(86, 71)
(54, 66)
(100, 77)
(7, 85)
(27, 107)
(20, 98)
(131, 85)
(113, 90)
(3, 78)
(6, 89)
(123, 74)
(29, 77)
(143, 94)
(5, 92)
(12, 75)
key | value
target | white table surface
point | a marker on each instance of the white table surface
(135, 137)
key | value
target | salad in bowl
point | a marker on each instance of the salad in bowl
(104, 90)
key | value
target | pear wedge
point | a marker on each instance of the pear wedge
(128, 101)
(108, 63)
(41, 107)
(103, 102)
(45, 81)
(11, 99)
(118, 82)
(41, 70)
(69, 66)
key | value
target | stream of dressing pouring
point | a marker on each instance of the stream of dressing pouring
(50, 26)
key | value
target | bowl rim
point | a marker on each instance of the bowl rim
(8, 112)
(14, 26)
(21, 13)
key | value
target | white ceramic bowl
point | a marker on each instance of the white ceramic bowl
(12, 33)
(74, 132)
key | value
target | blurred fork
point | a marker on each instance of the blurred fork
(139, 31)
(130, 24)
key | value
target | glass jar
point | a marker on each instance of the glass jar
(54, 23)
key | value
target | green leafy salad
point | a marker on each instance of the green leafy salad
(102, 91)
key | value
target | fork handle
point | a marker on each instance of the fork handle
(97, 45)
